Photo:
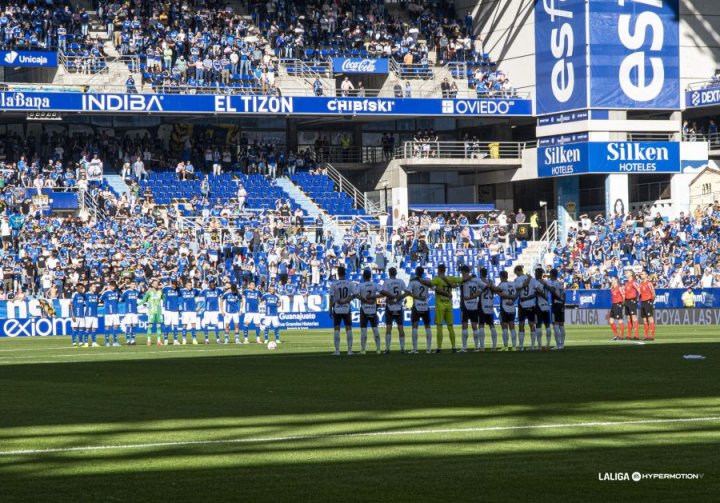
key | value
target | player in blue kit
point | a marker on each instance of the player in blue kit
(110, 299)
(77, 310)
(251, 308)
(171, 311)
(130, 297)
(272, 318)
(92, 300)
(231, 312)
(211, 295)
(188, 304)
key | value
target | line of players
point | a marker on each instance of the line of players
(540, 302)
(174, 310)
(625, 300)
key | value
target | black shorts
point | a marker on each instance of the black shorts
(647, 309)
(417, 316)
(616, 311)
(528, 314)
(396, 317)
(485, 318)
(631, 307)
(558, 313)
(345, 318)
(543, 317)
(506, 317)
(368, 319)
(470, 315)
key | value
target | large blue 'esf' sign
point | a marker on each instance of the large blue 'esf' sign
(635, 54)
(609, 157)
(560, 55)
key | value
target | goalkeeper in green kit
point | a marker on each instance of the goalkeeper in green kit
(153, 299)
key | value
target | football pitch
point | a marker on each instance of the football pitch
(244, 423)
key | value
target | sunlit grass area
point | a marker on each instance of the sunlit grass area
(247, 424)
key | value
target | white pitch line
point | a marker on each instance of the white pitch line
(291, 438)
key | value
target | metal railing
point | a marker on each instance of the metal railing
(298, 68)
(359, 198)
(653, 136)
(83, 64)
(705, 84)
(549, 238)
(102, 87)
(458, 69)
(338, 154)
(462, 150)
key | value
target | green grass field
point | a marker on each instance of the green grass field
(242, 423)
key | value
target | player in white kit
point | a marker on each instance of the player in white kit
(420, 310)
(470, 292)
(487, 306)
(543, 309)
(394, 290)
(507, 310)
(525, 288)
(368, 292)
(342, 292)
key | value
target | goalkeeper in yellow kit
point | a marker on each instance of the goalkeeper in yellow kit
(443, 285)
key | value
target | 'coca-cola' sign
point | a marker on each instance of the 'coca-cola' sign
(360, 65)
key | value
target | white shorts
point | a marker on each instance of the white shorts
(91, 322)
(131, 319)
(112, 320)
(232, 318)
(171, 318)
(252, 319)
(271, 321)
(211, 318)
(78, 323)
(189, 319)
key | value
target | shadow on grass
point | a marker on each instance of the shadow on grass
(521, 475)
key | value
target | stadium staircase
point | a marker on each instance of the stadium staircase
(534, 251)
(117, 184)
(300, 198)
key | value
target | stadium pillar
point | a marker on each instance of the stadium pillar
(680, 192)
(617, 194)
(567, 192)
(292, 140)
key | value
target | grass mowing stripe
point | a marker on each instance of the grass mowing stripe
(291, 438)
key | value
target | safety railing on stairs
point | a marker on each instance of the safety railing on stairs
(359, 198)
(549, 239)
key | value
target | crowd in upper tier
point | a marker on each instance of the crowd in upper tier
(191, 45)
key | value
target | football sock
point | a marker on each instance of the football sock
(363, 338)
(646, 329)
(336, 340)
(621, 330)
(479, 340)
(245, 332)
(451, 333)
(348, 332)
(464, 338)
(637, 330)
(629, 329)
(439, 332)
(428, 337)
(562, 332)
(614, 329)
(115, 335)
(505, 336)
(93, 336)
(388, 340)
(267, 333)
(277, 334)
(73, 336)
(414, 335)
(194, 334)
(652, 330)
(376, 335)
(522, 339)
(493, 335)
(513, 336)
(401, 338)
(548, 337)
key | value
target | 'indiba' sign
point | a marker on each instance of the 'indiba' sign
(632, 55)
(610, 157)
